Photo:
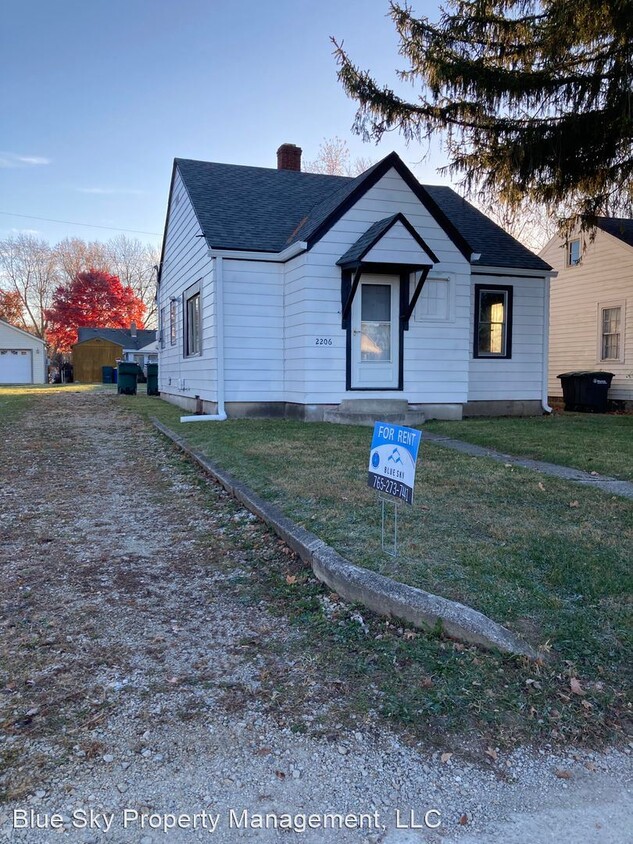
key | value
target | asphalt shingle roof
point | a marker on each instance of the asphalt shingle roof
(496, 246)
(620, 227)
(121, 336)
(264, 209)
(373, 233)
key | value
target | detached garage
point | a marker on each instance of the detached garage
(22, 356)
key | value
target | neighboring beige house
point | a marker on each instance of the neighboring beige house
(591, 310)
(22, 356)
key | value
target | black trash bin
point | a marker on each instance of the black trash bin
(586, 391)
(107, 374)
(152, 379)
(126, 384)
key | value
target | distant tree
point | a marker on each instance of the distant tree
(528, 222)
(129, 259)
(533, 98)
(29, 268)
(11, 307)
(75, 255)
(334, 159)
(134, 263)
(93, 298)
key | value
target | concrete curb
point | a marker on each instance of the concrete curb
(353, 583)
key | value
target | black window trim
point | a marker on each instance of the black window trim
(161, 332)
(508, 289)
(191, 292)
(173, 322)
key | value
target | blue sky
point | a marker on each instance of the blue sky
(99, 96)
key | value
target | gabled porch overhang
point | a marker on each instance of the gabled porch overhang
(375, 252)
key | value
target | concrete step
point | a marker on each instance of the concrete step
(374, 406)
(368, 411)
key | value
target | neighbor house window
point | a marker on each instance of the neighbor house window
(493, 321)
(172, 322)
(192, 325)
(611, 333)
(573, 252)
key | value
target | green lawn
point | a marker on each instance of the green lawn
(594, 442)
(545, 557)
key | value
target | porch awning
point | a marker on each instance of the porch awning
(388, 245)
(389, 241)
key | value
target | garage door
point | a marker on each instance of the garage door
(15, 366)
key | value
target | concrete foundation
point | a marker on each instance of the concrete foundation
(503, 408)
(358, 411)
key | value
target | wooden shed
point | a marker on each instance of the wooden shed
(99, 347)
(91, 355)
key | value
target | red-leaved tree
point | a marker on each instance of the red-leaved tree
(11, 308)
(96, 299)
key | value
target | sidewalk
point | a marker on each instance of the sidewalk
(603, 482)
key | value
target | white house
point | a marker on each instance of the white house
(591, 320)
(312, 296)
(22, 356)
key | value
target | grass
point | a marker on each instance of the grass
(547, 558)
(593, 442)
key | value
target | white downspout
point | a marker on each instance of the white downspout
(220, 416)
(544, 404)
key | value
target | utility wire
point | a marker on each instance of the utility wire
(70, 223)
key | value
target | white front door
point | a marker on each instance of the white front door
(375, 333)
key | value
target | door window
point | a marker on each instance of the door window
(375, 341)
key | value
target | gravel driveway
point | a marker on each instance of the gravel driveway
(141, 691)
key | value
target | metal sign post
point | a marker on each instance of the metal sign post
(392, 550)
(392, 459)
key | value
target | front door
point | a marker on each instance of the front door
(375, 334)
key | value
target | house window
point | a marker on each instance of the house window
(434, 303)
(375, 325)
(493, 321)
(163, 322)
(172, 322)
(611, 333)
(192, 325)
(573, 252)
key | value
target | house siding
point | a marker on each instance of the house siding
(435, 355)
(604, 276)
(254, 331)
(186, 262)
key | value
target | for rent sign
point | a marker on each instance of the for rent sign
(394, 451)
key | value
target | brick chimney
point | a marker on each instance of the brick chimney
(289, 157)
(133, 330)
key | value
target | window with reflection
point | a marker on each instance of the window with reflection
(375, 326)
(493, 307)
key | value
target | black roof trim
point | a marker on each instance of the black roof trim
(162, 248)
(371, 177)
(366, 242)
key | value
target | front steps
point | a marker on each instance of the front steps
(367, 411)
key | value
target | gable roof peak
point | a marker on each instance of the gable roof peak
(263, 209)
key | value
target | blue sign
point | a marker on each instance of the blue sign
(392, 459)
